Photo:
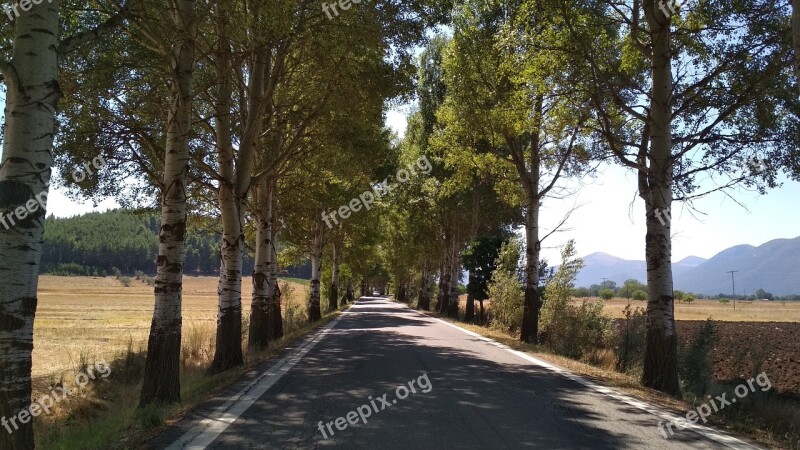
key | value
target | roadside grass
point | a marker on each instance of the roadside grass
(106, 415)
(768, 420)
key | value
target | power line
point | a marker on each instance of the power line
(733, 283)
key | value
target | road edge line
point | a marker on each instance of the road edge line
(209, 429)
(707, 432)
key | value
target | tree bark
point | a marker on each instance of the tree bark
(32, 97)
(532, 300)
(259, 332)
(424, 302)
(796, 38)
(333, 295)
(452, 309)
(660, 364)
(317, 245)
(161, 382)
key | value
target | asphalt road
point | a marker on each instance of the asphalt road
(468, 393)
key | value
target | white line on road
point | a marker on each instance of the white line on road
(205, 432)
(710, 433)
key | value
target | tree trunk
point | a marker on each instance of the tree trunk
(532, 300)
(275, 315)
(32, 95)
(259, 333)
(452, 310)
(333, 295)
(660, 364)
(314, 312)
(161, 372)
(446, 272)
(424, 302)
(482, 314)
(796, 38)
(469, 315)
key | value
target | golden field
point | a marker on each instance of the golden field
(92, 318)
(746, 311)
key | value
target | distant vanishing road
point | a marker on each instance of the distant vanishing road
(480, 395)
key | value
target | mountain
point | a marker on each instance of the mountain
(773, 266)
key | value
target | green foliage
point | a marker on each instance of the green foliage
(581, 292)
(695, 361)
(606, 294)
(724, 301)
(480, 259)
(689, 298)
(568, 329)
(679, 296)
(640, 295)
(629, 287)
(505, 289)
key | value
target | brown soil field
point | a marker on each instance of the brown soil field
(744, 349)
(749, 311)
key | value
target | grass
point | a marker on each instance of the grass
(81, 320)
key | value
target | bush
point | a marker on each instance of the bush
(505, 290)
(569, 330)
(689, 298)
(126, 281)
(640, 295)
(606, 294)
(724, 301)
(695, 361)
(630, 340)
(507, 298)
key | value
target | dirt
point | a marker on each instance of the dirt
(745, 349)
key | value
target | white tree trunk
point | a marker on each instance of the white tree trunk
(262, 270)
(660, 365)
(161, 375)
(796, 38)
(32, 95)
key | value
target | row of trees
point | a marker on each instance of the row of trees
(261, 116)
(248, 116)
(525, 95)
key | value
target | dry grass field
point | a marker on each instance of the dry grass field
(83, 318)
(751, 311)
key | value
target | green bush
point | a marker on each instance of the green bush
(689, 298)
(567, 329)
(695, 360)
(606, 294)
(640, 295)
(505, 290)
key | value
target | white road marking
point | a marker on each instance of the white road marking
(710, 433)
(205, 432)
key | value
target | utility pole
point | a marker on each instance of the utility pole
(733, 284)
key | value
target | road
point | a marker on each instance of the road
(468, 393)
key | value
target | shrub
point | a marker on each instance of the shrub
(640, 295)
(126, 281)
(505, 289)
(569, 330)
(724, 301)
(689, 298)
(606, 294)
(695, 361)
(630, 340)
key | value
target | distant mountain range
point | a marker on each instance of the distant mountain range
(774, 267)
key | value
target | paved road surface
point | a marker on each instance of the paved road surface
(479, 396)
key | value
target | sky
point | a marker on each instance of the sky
(610, 216)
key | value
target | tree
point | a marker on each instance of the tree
(161, 380)
(480, 259)
(31, 76)
(629, 287)
(512, 108)
(677, 97)
(606, 294)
